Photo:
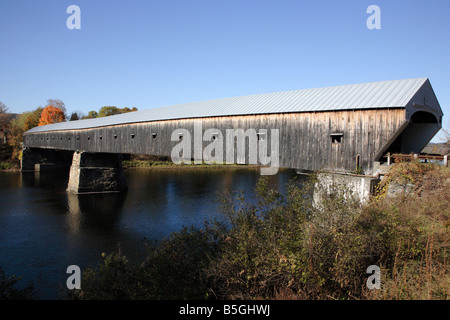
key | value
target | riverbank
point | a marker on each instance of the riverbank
(9, 166)
(281, 247)
(169, 164)
(15, 166)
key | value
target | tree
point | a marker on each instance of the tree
(28, 120)
(112, 110)
(50, 115)
(108, 111)
(4, 117)
(77, 115)
(126, 110)
(16, 138)
(58, 104)
(4, 123)
(17, 126)
(74, 117)
(3, 108)
(91, 115)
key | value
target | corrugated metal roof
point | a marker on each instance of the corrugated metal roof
(384, 94)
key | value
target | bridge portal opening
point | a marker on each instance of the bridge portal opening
(415, 136)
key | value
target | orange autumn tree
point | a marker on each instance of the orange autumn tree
(50, 115)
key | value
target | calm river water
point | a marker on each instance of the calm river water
(43, 229)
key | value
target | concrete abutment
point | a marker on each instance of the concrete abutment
(357, 186)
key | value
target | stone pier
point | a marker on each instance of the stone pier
(96, 172)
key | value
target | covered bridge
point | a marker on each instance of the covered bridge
(339, 129)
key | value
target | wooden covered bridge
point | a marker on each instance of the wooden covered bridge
(340, 129)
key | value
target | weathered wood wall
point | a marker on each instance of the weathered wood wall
(305, 138)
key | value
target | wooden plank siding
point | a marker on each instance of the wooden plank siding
(305, 138)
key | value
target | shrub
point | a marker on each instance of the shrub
(8, 290)
(173, 269)
(7, 165)
(287, 246)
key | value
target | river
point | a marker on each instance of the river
(44, 229)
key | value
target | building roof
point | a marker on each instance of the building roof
(384, 94)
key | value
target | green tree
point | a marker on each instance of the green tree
(126, 109)
(28, 120)
(108, 111)
(20, 124)
(112, 110)
(91, 115)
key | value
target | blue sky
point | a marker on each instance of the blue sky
(149, 54)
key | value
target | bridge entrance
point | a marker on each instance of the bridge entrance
(414, 135)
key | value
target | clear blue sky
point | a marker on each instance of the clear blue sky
(149, 54)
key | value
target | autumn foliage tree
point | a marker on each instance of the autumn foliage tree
(30, 119)
(50, 115)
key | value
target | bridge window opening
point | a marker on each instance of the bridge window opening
(89, 138)
(261, 136)
(336, 137)
(78, 138)
(154, 135)
(101, 138)
(68, 138)
(132, 136)
(214, 135)
(115, 137)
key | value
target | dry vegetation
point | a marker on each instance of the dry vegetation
(282, 247)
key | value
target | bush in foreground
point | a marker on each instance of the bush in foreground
(282, 246)
(9, 290)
